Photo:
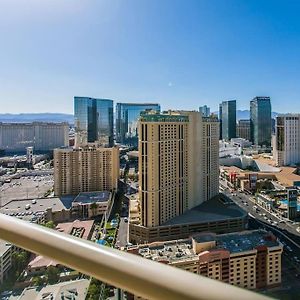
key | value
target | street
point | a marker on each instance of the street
(285, 231)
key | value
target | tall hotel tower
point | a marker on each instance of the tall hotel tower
(178, 163)
(287, 141)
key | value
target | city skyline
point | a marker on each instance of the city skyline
(218, 51)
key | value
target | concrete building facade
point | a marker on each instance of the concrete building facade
(287, 140)
(42, 136)
(243, 129)
(85, 169)
(6, 251)
(178, 163)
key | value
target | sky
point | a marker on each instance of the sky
(179, 53)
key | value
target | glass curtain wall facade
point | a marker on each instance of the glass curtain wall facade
(228, 119)
(93, 121)
(261, 121)
(127, 115)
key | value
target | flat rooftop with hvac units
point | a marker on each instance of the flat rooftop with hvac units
(60, 209)
(249, 259)
(218, 214)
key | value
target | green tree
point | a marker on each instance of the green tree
(38, 281)
(94, 289)
(49, 224)
(19, 260)
(52, 275)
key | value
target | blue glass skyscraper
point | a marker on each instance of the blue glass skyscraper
(93, 120)
(261, 121)
(127, 115)
(228, 119)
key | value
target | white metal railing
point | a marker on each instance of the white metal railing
(130, 272)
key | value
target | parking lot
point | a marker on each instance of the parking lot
(25, 188)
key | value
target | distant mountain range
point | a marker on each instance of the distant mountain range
(38, 117)
(245, 114)
(57, 117)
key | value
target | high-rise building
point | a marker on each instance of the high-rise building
(42, 136)
(261, 121)
(127, 115)
(178, 163)
(248, 259)
(204, 110)
(228, 117)
(93, 121)
(287, 140)
(85, 169)
(220, 121)
(243, 129)
(292, 203)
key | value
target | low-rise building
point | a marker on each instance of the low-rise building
(91, 204)
(60, 209)
(6, 251)
(76, 290)
(248, 259)
(80, 229)
(39, 210)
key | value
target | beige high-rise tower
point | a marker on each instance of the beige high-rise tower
(178, 163)
(85, 169)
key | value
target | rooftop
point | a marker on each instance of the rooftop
(163, 117)
(240, 241)
(28, 209)
(172, 251)
(212, 210)
(40, 261)
(181, 250)
(75, 290)
(80, 229)
(77, 228)
(288, 177)
(91, 197)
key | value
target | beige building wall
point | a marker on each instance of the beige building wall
(85, 169)
(163, 168)
(274, 266)
(190, 265)
(242, 269)
(178, 164)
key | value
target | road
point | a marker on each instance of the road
(286, 232)
(122, 237)
(269, 217)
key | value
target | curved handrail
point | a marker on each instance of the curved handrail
(130, 272)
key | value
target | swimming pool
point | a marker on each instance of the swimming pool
(284, 201)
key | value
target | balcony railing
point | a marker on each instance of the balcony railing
(130, 272)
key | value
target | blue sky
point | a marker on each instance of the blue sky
(180, 53)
